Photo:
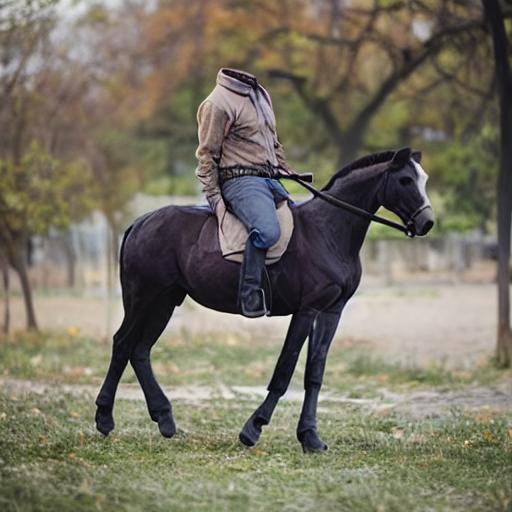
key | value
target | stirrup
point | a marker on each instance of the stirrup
(257, 312)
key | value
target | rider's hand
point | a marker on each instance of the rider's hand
(289, 171)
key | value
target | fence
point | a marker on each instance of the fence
(77, 260)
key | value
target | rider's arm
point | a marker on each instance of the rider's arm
(212, 122)
(281, 158)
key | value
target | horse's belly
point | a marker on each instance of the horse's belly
(214, 282)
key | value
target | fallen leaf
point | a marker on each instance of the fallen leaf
(36, 360)
(416, 439)
(73, 331)
(256, 370)
(77, 371)
(488, 436)
(383, 410)
(397, 432)
(232, 341)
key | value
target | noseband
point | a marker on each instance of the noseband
(410, 222)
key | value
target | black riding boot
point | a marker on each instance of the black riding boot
(251, 296)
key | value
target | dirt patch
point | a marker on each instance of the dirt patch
(449, 324)
(415, 405)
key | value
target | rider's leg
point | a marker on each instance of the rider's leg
(252, 201)
(251, 296)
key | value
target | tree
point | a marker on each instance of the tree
(502, 54)
(36, 192)
(345, 61)
(43, 183)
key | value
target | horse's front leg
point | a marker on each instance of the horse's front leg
(320, 339)
(298, 330)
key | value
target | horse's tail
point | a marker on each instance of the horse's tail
(121, 333)
(130, 321)
(121, 254)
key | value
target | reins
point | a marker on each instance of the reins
(302, 180)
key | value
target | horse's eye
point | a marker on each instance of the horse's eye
(405, 180)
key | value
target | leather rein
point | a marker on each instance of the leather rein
(303, 180)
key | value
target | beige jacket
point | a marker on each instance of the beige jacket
(236, 127)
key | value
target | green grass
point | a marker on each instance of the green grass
(230, 359)
(52, 459)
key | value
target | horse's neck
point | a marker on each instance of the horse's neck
(359, 188)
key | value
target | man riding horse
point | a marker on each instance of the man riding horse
(168, 254)
(240, 159)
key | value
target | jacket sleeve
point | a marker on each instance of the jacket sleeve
(211, 122)
(281, 158)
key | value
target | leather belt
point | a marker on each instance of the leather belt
(236, 171)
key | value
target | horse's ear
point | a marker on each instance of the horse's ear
(416, 156)
(400, 158)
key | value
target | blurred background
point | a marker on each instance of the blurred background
(98, 106)
(98, 103)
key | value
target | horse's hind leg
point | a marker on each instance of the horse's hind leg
(120, 354)
(158, 404)
(297, 333)
(136, 301)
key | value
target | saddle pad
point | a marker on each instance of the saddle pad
(233, 234)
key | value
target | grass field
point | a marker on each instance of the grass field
(51, 458)
(230, 359)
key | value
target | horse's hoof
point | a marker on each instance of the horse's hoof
(166, 425)
(250, 433)
(311, 442)
(247, 440)
(104, 420)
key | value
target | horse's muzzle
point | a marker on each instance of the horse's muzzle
(423, 222)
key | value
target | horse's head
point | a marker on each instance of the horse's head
(404, 192)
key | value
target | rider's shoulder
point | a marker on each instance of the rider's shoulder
(226, 100)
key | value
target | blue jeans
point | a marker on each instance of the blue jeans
(253, 200)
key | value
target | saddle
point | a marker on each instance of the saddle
(233, 234)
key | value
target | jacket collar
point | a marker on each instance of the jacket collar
(239, 82)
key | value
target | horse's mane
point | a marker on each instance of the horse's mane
(361, 163)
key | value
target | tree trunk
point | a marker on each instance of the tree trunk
(69, 251)
(7, 307)
(15, 246)
(495, 21)
(20, 266)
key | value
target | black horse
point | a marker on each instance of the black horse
(174, 251)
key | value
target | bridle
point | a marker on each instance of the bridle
(408, 229)
(409, 225)
(410, 222)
